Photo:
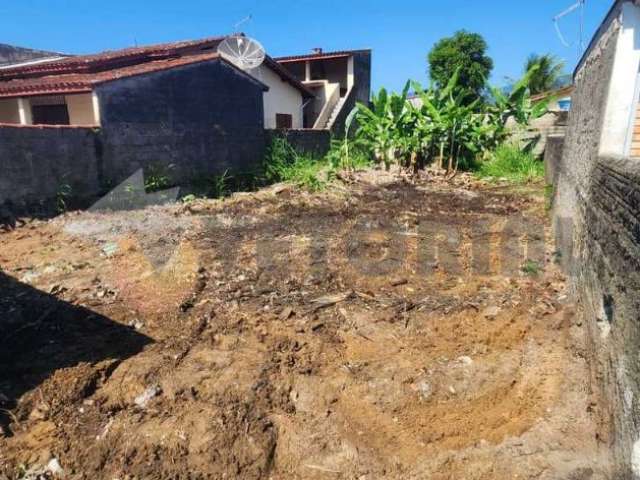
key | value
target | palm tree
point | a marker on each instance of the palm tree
(547, 76)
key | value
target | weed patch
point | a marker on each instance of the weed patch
(283, 163)
(513, 164)
(531, 268)
(157, 177)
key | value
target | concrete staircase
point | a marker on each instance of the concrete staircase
(335, 112)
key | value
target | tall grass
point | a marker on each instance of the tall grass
(283, 163)
(348, 154)
(509, 162)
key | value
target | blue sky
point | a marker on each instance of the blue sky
(399, 32)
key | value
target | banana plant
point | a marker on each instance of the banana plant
(440, 107)
(444, 126)
(383, 126)
(517, 104)
(450, 118)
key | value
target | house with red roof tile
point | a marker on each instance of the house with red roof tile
(304, 91)
(66, 91)
(89, 122)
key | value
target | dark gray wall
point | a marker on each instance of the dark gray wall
(597, 212)
(200, 119)
(38, 163)
(361, 91)
(338, 129)
(188, 123)
(315, 142)
(362, 76)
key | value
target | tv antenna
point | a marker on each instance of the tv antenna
(580, 4)
(244, 52)
(246, 19)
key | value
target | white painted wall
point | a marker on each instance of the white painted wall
(282, 97)
(620, 101)
(350, 74)
(24, 108)
(80, 108)
(9, 112)
(83, 109)
(96, 108)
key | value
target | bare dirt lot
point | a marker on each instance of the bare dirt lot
(379, 329)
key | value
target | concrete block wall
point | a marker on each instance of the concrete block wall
(314, 142)
(597, 226)
(606, 278)
(191, 121)
(37, 164)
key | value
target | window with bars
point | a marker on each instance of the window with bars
(284, 120)
(50, 114)
(51, 110)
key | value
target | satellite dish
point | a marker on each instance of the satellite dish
(244, 52)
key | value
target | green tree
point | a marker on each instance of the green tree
(466, 53)
(548, 75)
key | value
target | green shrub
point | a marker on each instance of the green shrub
(157, 177)
(284, 164)
(246, 181)
(531, 268)
(348, 154)
(512, 163)
(62, 195)
(218, 187)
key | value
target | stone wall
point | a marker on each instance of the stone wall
(314, 142)
(186, 124)
(596, 217)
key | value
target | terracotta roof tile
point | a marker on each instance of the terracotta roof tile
(111, 59)
(319, 56)
(84, 82)
(81, 73)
